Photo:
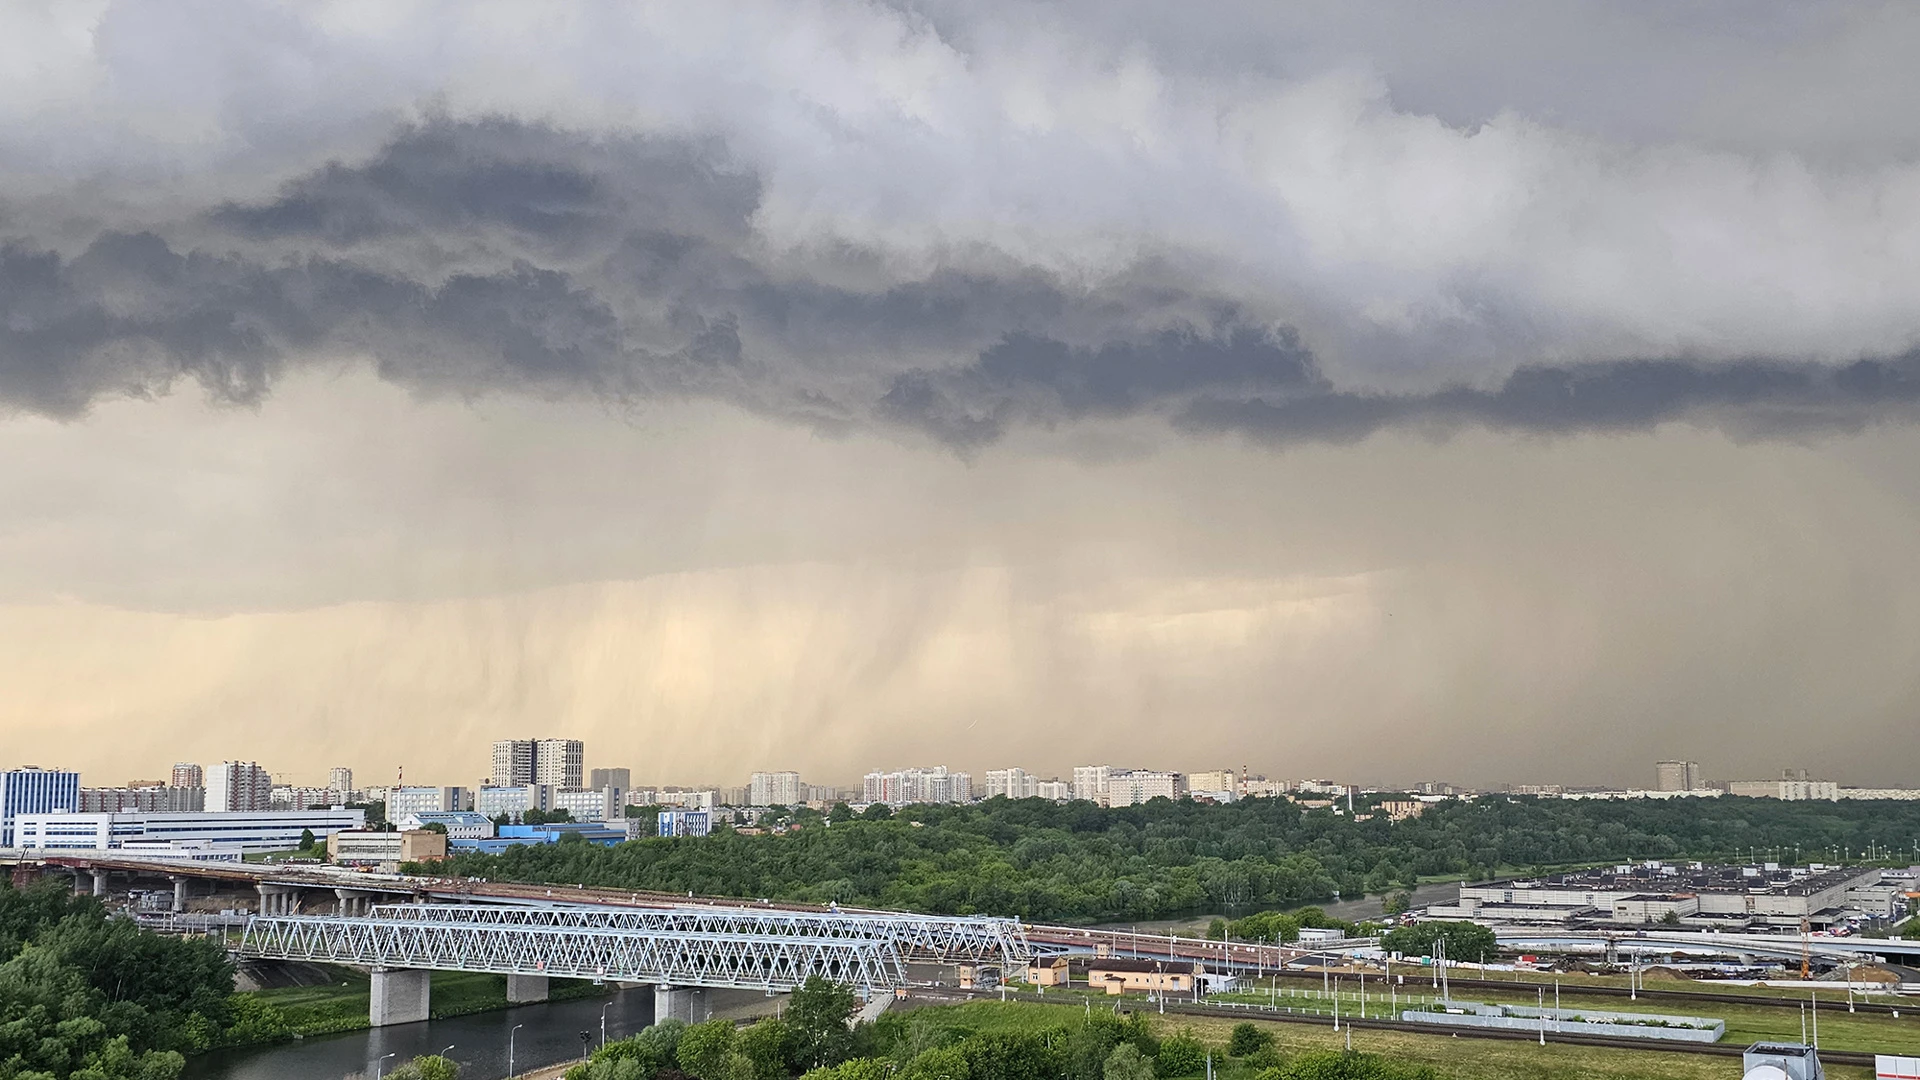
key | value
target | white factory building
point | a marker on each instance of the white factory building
(245, 831)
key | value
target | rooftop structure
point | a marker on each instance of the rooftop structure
(1757, 898)
(250, 831)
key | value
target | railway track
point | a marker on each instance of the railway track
(1836, 997)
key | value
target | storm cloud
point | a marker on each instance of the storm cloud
(854, 215)
(496, 256)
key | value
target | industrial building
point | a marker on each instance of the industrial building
(1793, 786)
(685, 822)
(593, 804)
(359, 847)
(513, 801)
(262, 831)
(1756, 899)
(460, 824)
(511, 836)
(34, 790)
(402, 801)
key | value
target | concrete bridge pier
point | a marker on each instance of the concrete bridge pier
(279, 899)
(354, 902)
(179, 893)
(522, 989)
(400, 996)
(687, 1003)
(99, 883)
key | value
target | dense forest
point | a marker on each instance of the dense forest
(1083, 863)
(88, 997)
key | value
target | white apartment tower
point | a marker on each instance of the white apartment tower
(1012, 783)
(775, 789)
(560, 763)
(1676, 776)
(234, 786)
(1090, 782)
(935, 785)
(187, 774)
(340, 782)
(513, 762)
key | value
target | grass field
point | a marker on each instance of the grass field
(1452, 1058)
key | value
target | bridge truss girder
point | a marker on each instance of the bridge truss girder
(666, 957)
(965, 939)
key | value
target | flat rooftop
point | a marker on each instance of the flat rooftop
(1668, 879)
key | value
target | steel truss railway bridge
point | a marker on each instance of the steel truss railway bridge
(682, 950)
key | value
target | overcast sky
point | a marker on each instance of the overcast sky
(1496, 392)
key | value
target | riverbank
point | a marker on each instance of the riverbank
(532, 1037)
(342, 1004)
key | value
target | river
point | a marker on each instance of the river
(549, 1034)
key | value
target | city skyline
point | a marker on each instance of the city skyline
(1666, 775)
(1496, 393)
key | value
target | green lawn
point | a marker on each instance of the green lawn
(1454, 1059)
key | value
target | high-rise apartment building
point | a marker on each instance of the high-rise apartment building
(606, 778)
(775, 789)
(238, 785)
(1011, 784)
(1214, 782)
(1090, 782)
(1131, 787)
(513, 762)
(557, 763)
(1676, 776)
(34, 790)
(340, 782)
(935, 785)
(144, 798)
(560, 763)
(1054, 790)
(187, 774)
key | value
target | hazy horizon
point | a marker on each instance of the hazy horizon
(1503, 393)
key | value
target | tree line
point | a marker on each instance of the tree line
(88, 997)
(1082, 863)
(814, 1042)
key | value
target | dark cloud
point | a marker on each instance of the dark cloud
(469, 258)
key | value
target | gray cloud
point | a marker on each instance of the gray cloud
(472, 257)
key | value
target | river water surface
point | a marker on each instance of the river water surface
(549, 1034)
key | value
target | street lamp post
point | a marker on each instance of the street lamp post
(510, 1035)
(443, 1050)
(380, 1066)
(603, 1024)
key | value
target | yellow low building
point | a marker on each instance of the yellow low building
(1048, 972)
(1119, 976)
(351, 847)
